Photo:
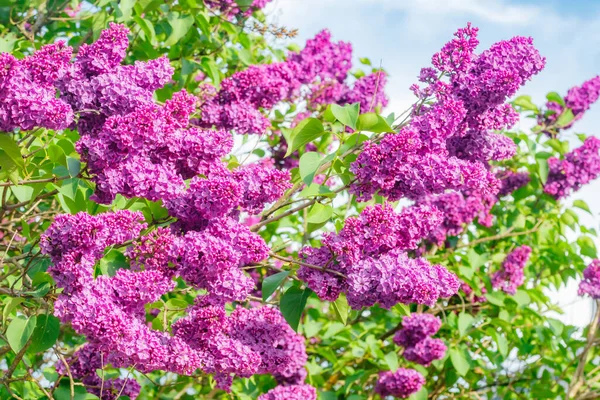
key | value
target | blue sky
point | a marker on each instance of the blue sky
(402, 35)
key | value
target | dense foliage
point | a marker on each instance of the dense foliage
(190, 210)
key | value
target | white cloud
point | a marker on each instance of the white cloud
(499, 11)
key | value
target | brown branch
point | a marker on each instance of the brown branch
(578, 378)
(15, 362)
(501, 236)
(290, 260)
(24, 203)
(53, 179)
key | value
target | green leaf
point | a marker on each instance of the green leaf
(391, 359)
(565, 118)
(244, 4)
(147, 28)
(555, 97)
(464, 322)
(316, 190)
(460, 363)
(40, 290)
(558, 146)
(521, 297)
(272, 282)
(19, 331)
(305, 132)
(74, 166)
(45, 334)
(588, 248)
(525, 103)
(113, 262)
(543, 169)
(495, 298)
(10, 307)
(319, 213)
(8, 169)
(347, 115)
(126, 8)
(292, 305)
(212, 70)
(309, 163)
(7, 42)
(582, 204)
(63, 392)
(22, 193)
(422, 394)
(180, 25)
(341, 308)
(373, 122)
(476, 260)
(11, 149)
(502, 344)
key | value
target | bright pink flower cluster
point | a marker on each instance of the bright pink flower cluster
(458, 210)
(590, 284)
(133, 146)
(83, 365)
(28, 93)
(447, 144)
(579, 99)
(469, 292)
(415, 337)
(511, 276)
(579, 167)
(222, 193)
(110, 310)
(511, 181)
(231, 8)
(237, 105)
(315, 74)
(292, 392)
(370, 254)
(401, 383)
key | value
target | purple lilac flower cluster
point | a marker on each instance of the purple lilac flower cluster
(132, 145)
(511, 276)
(222, 193)
(149, 152)
(458, 209)
(369, 256)
(237, 105)
(511, 181)
(292, 392)
(28, 92)
(231, 8)
(415, 337)
(401, 383)
(447, 144)
(469, 292)
(579, 99)
(110, 310)
(579, 167)
(590, 284)
(316, 74)
(85, 361)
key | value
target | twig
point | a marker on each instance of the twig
(290, 260)
(501, 236)
(66, 364)
(578, 378)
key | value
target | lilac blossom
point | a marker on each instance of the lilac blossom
(511, 276)
(401, 383)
